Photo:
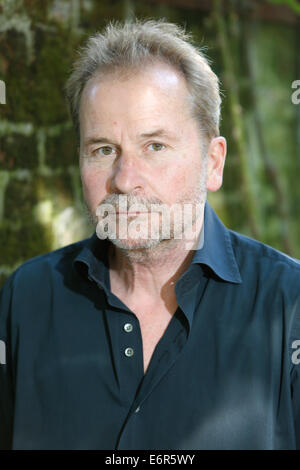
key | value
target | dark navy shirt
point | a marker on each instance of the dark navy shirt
(225, 374)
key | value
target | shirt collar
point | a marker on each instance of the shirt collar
(92, 260)
(214, 250)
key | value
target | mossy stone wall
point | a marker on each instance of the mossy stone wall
(41, 204)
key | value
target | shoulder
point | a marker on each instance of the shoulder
(264, 263)
(35, 271)
(270, 279)
(248, 246)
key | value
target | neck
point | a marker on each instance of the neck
(149, 272)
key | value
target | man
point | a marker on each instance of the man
(164, 330)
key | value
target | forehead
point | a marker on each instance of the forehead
(158, 92)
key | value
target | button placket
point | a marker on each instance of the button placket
(129, 352)
(130, 356)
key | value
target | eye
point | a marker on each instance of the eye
(104, 151)
(156, 146)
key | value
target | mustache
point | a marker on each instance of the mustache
(127, 200)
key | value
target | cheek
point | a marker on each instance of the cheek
(182, 180)
(173, 182)
(94, 186)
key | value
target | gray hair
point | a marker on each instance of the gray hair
(131, 45)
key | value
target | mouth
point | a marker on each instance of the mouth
(130, 214)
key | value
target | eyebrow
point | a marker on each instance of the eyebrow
(154, 133)
(158, 133)
(97, 140)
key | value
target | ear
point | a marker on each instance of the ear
(215, 163)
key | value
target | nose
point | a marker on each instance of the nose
(127, 175)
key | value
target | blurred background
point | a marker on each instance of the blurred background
(254, 48)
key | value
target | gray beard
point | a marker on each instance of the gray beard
(141, 249)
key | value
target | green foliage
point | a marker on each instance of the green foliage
(292, 4)
(54, 55)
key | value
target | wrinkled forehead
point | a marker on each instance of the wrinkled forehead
(165, 77)
(158, 92)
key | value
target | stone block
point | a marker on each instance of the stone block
(61, 150)
(18, 151)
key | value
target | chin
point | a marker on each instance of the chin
(135, 244)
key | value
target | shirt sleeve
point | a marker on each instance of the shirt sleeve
(6, 376)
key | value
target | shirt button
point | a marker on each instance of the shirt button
(129, 352)
(128, 327)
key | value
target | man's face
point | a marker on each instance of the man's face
(140, 144)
